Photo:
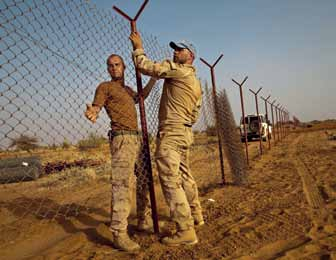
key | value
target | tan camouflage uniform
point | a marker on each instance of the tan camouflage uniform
(179, 107)
(124, 153)
(119, 103)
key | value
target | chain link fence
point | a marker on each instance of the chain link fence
(53, 162)
(230, 135)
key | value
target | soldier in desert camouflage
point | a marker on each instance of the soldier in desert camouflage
(119, 102)
(179, 108)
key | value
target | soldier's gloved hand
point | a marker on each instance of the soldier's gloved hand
(136, 40)
(91, 112)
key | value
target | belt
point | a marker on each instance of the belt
(112, 133)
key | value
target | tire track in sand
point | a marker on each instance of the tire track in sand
(311, 191)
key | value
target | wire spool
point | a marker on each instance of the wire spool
(20, 169)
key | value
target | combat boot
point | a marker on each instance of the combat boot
(145, 225)
(183, 237)
(198, 220)
(122, 241)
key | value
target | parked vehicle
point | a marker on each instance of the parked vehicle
(252, 124)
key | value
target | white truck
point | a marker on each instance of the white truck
(252, 124)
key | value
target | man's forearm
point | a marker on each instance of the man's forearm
(148, 88)
(145, 65)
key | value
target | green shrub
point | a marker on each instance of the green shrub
(92, 141)
(66, 144)
(25, 142)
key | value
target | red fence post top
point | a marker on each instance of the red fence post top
(265, 99)
(255, 93)
(240, 84)
(206, 63)
(217, 60)
(140, 10)
(122, 13)
(213, 65)
(136, 16)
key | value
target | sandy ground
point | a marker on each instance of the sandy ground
(287, 212)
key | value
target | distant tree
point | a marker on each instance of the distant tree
(25, 143)
(92, 141)
(65, 144)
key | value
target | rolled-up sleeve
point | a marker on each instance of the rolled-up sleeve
(165, 69)
(100, 96)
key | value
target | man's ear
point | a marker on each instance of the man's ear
(192, 56)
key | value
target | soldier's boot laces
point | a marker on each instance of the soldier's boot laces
(122, 241)
(183, 237)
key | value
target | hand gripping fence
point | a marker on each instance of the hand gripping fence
(214, 93)
(240, 85)
(143, 121)
(259, 123)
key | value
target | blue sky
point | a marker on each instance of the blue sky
(286, 47)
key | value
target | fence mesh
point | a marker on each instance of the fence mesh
(231, 141)
(53, 161)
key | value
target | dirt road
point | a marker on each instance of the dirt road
(288, 211)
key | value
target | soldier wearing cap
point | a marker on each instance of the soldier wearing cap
(119, 102)
(179, 108)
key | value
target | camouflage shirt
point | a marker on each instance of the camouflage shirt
(182, 95)
(119, 103)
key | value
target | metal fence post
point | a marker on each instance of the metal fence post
(282, 123)
(288, 122)
(214, 93)
(243, 114)
(267, 119)
(278, 121)
(274, 136)
(259, 123)
(148, 163)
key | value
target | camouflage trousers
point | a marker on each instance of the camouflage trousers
(126, 161)
(178, 185)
